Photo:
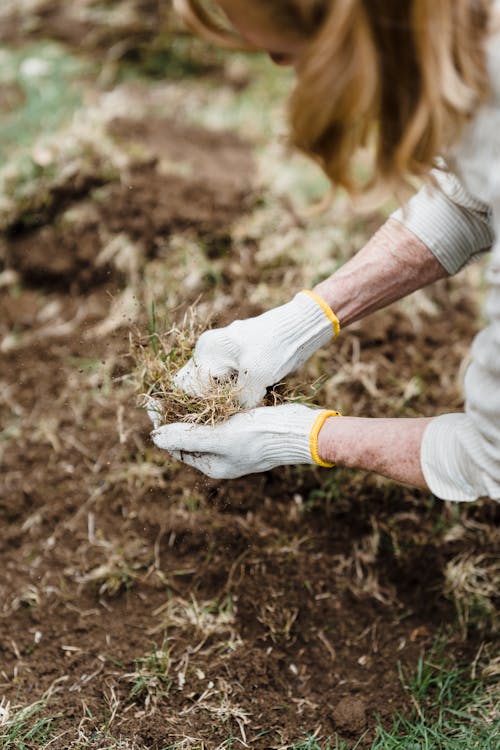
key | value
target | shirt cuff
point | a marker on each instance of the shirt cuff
(448, 469)
(453, 229)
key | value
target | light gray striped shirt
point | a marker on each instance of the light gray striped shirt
(459, 220)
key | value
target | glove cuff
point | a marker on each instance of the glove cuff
(288, 434)
(326, 309)
(314, 436)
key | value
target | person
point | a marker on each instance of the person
(419, 82)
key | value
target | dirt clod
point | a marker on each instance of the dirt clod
(350, 715)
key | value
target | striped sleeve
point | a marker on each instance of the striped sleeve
(460, 453)
(455, 226)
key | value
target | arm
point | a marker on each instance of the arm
(407, 253)
(456, 455)
(390, 447)
(394, 263)
(460, 453)
(441, 229)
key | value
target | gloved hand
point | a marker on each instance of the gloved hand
(260, 350)
(249, 442)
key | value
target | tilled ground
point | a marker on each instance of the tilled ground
(145, 602)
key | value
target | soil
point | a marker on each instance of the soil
(77, 27)
(100, 533)
(285, 600)
(146, 205)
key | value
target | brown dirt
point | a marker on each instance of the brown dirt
(350, 715)
(139, 35)
(146, 205)
(287, 598)
(74, 25)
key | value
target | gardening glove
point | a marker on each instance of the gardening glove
(248, 442)
(260, 351)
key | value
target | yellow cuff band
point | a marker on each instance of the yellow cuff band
(327, 310)
(314, 435)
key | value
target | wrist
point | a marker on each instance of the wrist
(327, 443)
(339, 293)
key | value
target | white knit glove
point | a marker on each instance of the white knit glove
(249, 442)
(261, 350)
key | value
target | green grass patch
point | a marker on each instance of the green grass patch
(151, 679)
(26, 728)
(41, 91)
(452, 711)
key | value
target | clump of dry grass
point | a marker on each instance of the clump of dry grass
(159, 357)
(472, 581)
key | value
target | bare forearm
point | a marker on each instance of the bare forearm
(390, 447)
(392, 264)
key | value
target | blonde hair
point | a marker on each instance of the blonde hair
(399, 76)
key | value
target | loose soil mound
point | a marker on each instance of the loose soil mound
(146, 205)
